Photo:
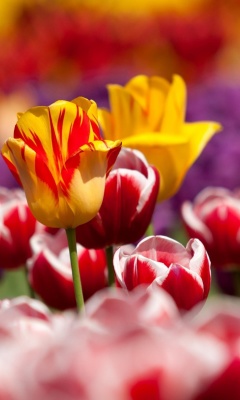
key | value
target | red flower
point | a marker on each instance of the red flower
(159, 261)
(16, 228)
(214, 218)
(50, 272)
(129, 200)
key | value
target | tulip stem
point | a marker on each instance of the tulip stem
(30, 289)
(71, 237)
(109, 256)
(150, 230)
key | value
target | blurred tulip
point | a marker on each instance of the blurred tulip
(111, 353)
(50, 272)
(17, 227)
(159, 261)
(128, 204)
(214, 218)
(148, 114)
(221, 320)
(58, 156)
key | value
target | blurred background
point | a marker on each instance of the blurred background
(66, 48)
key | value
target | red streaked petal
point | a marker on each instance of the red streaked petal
(147, 386)
(137, 272)
(200, 262)
(67, 174)
(45, 175)
(163, 249)
(57, 153)
(50, 283)
(9, 163)
(33, 141)
(112, 155)
(79, 133)
(185, 286)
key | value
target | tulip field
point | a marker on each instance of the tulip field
(119, 200)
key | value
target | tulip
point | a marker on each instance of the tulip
(60, 159)
(128, 204)
(214, 218)
(148, 114)
(50, 272)
(112, 352)
(221, 321)
(17, 227)
(159, 261)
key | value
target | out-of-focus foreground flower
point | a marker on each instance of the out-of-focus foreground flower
(214, 218)
(50, 273)
(124, 348)
(17, 227)
(159, 261)
(128, 204)
(148, 114)
(61, 161)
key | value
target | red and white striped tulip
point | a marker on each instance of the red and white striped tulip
(214, 218)
(159, 261)
(50, 271)
(128, 204)
(60, 159)
(17, 226)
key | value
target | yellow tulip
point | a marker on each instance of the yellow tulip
(148, 114)
(60, 159)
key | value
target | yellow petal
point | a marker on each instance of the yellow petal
(84, 184)
(106, 123)
(90, 107)
(169, 154)
(151, 93)
(173, 155)
(87, 187)
(198, 135)
(40, 197)
(175, 107)
(128, 116)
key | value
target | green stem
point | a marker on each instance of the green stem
(71, 237)
(109, 256)
(30, 289)
(150, 230)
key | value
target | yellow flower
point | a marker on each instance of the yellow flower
(148, 114)
(59, 158)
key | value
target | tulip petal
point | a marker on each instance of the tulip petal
(198, 135)
(83, 180)
(128, 116)
(175, 107)
(151, 94)
(195, 226)
(46, 278)
(164, 249)
(38, 184)
(83, 186)
(8, 160)
(106, 122)
(162, 151)
(185, 286)
(178, 151)
(67, 124)
(90, 107)
(138, 270)
(200, 263)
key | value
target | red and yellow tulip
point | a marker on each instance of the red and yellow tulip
(148, 114)
(60, 159)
